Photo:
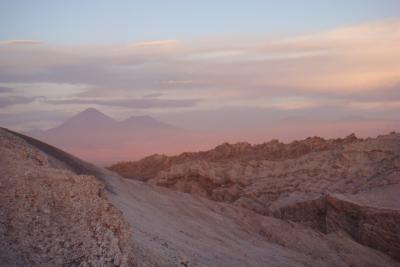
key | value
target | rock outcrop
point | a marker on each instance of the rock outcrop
(378, 228)
(274, 150)
(54, 217)
(265, 177)
(300, 181)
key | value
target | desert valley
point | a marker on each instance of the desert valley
(176, 133)
(312, 202)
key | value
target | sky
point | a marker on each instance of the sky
(202, 65)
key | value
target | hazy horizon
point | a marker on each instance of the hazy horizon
(101, 139)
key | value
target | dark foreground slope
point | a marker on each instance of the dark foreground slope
(52, 215)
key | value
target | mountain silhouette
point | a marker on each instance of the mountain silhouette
(97, 137)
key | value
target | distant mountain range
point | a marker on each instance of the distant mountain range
(96, 137)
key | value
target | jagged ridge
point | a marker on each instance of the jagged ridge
(274, 150)
(290, 181)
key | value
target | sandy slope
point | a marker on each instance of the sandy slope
(172, 228)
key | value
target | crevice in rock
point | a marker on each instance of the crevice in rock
(377, 228)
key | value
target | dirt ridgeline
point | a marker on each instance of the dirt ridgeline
(274, 150)
(300, 181)
(270, 176)
(52, 216)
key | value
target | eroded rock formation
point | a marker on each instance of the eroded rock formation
(300, 181)
(51, 216)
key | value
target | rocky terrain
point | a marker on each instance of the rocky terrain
(51, 216)
(328, 185)
(274, 150)
(57, 210)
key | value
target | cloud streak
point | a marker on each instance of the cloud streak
(142, 103)
(14, 100)
(353, 69)
(21, 42)
(5, 90)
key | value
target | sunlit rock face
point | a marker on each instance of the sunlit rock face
(347, 185)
